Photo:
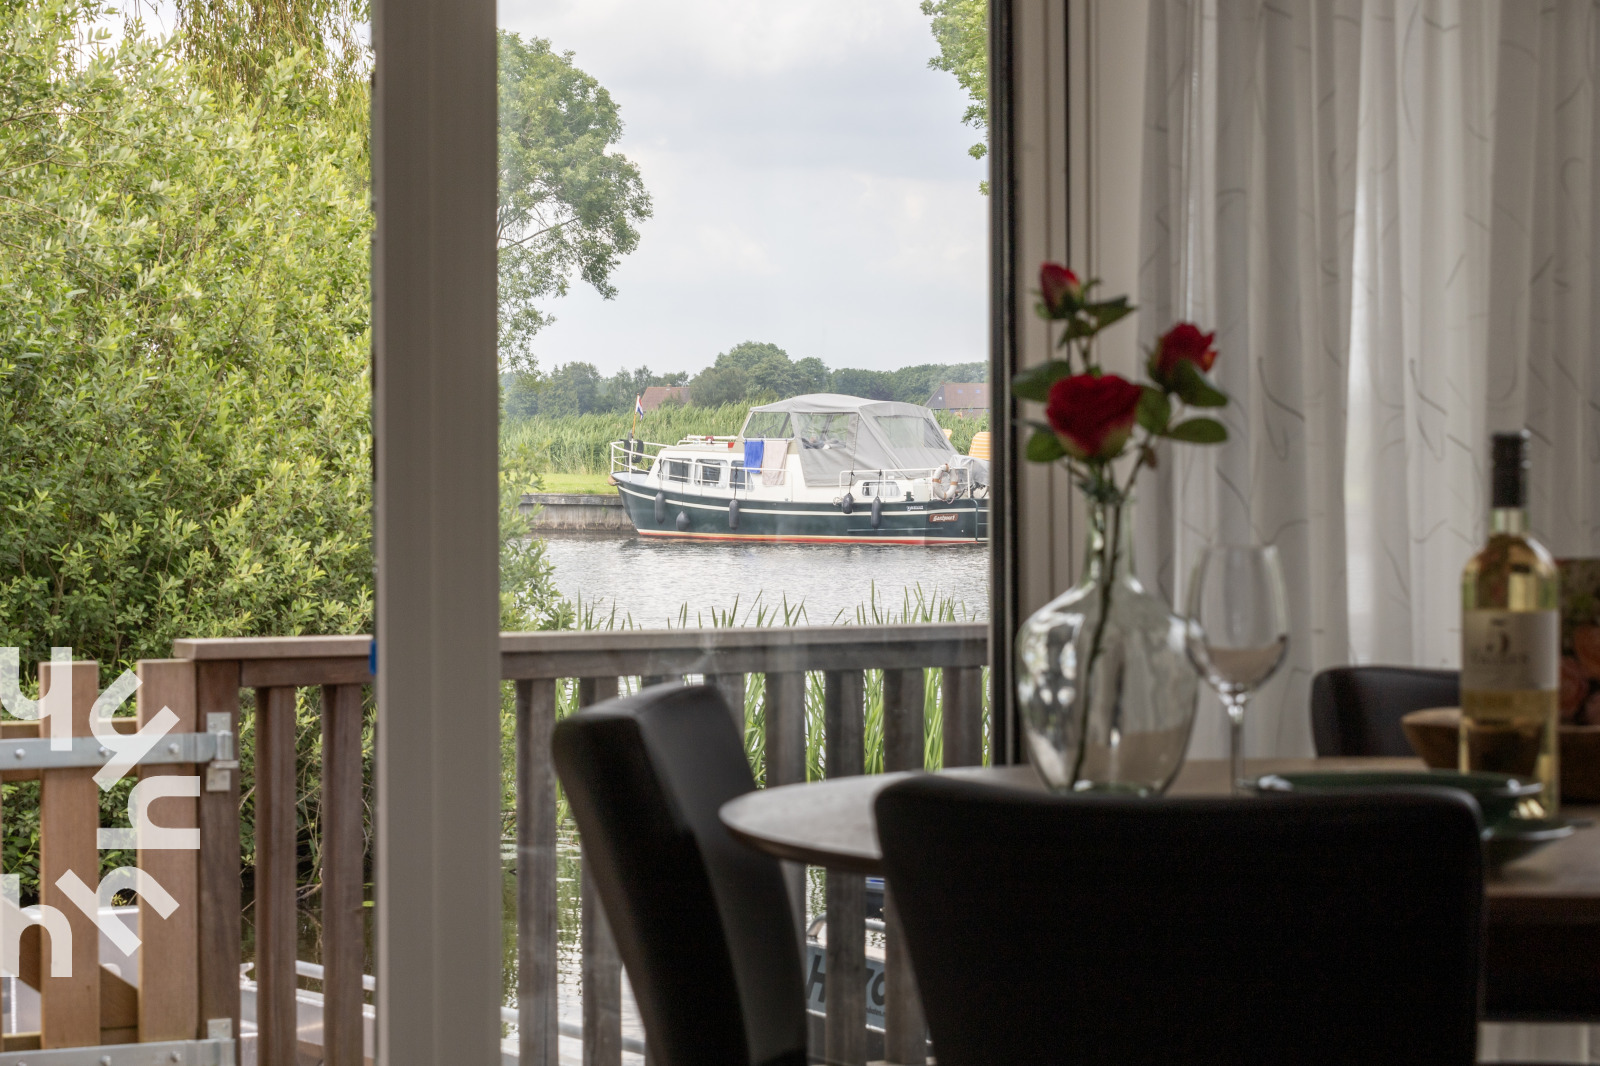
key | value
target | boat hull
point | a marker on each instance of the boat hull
(689, 515)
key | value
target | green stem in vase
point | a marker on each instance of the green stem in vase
(1108, 577)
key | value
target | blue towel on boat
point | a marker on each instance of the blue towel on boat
(753, 450)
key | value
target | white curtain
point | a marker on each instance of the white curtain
(1389, 210)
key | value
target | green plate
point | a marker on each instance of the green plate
(1497, 794)
(1516, 837)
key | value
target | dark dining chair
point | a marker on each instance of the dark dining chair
(1314, 930)
(702, 923)
(1356, 710)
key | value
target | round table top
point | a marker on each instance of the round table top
(831, 823)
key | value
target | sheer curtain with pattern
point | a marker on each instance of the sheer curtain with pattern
(1390, 213)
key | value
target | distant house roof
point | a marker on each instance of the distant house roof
(960, 396)
(656, 395)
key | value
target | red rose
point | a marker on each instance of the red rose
(1060, 288)
(1093, 415)
(1183, 342)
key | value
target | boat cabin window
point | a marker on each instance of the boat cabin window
(709, 471)
(914, 431)
(766, 425)
(826, 430)
(677, 470)
(736, 475)
(888, 490)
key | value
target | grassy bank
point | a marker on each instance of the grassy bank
(581, 444)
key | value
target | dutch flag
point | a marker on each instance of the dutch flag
(638, 405)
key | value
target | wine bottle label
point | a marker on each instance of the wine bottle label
(1510, 650)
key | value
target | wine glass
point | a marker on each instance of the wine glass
(1237, 631)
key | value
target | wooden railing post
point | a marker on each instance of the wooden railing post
(961, 697)
(69, 814)
(538, 929)
(169, 952)
(275, 802)
(846, 1043)
(217, 692)
(785, 744)
(602, 966)
(343, 849)
(904, 748)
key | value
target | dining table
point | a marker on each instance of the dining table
(1542, 944)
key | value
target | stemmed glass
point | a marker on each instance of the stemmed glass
(1237, 631)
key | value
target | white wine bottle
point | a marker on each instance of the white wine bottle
(1511, 639)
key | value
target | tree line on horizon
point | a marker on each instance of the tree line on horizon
(749, 373)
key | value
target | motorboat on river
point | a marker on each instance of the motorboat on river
(818, 468)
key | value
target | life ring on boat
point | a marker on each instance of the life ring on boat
(944, 483)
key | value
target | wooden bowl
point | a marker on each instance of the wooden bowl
(1433, 735)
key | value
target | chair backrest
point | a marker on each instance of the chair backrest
(702, 922)
(1122, 932)
(1356, 710)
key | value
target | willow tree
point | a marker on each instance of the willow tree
(569, 206)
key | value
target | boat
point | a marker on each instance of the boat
(819, 468)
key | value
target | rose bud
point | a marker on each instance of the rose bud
(1182, 343)
(1060, 289)
(1093, 415)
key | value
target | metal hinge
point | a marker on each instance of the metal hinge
(219, 772)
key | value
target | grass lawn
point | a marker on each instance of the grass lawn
(592, 484)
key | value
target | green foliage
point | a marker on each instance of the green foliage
(234, 44)
(568, 207)
(962, 29)
(756, 372)
(581, 444)
(578, 389)
(183, 351)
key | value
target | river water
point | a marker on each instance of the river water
(659, 583)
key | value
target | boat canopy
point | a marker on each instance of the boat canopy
(842, 433)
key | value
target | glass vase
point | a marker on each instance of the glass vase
(1105, 689)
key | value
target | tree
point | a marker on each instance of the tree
(962, 29)
(568, 207)
(718, 385)
(235, 43)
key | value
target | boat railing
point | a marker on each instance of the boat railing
(634, 456)
(808, 686)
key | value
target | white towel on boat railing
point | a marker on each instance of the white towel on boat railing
(774, 455)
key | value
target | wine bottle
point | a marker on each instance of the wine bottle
(1511, 639)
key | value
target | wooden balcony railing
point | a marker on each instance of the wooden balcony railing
(600, 663)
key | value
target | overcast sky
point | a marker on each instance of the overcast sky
(810, 177)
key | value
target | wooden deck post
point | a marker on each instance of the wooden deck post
(602, 966)
(69, 817)
(785, 714)
(904, 748)
(275, 877)
(343, 852)
(538, 1020)
(221, 933)
(169, 952)
(846, 1044)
